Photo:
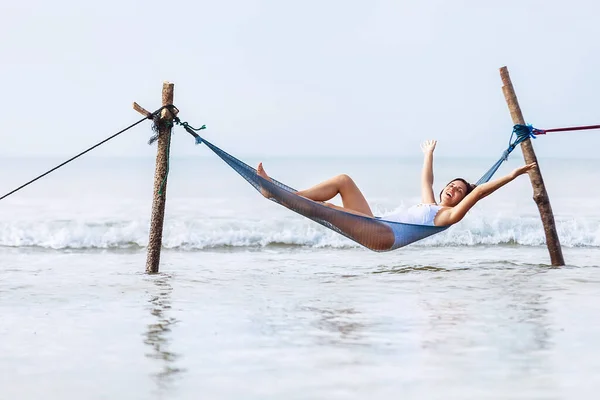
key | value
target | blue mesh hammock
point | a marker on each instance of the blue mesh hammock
(374, 233)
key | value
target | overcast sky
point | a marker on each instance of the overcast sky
(305, 77)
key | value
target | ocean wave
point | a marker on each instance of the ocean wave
(189, 235)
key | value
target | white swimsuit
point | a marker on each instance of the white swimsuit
(421, 214)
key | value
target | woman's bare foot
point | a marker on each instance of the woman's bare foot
(260, 171)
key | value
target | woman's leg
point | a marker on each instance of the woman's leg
(352, 197)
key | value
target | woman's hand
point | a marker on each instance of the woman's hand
(523, 169)
(428, 146)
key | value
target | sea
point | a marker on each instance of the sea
(253, 301)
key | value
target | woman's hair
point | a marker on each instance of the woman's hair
(470, 186)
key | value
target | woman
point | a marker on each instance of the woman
(456, 199)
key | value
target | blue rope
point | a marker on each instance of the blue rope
(523, 132)
(519, 134)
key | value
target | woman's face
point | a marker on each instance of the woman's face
(453, 193)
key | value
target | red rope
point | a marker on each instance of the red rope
(574, 128)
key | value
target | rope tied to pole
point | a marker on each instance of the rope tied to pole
(149, 116)
(520, 133)
(158, 123)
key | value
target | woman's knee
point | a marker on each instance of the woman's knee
(345, 180)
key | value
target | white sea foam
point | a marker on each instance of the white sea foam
(186, 234)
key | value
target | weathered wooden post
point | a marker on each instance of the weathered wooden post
(540, 196)
(165, 123)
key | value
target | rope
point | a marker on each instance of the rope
(150, 116)
(519, 134)
(191, 130)
(522, 133)
(573, 128)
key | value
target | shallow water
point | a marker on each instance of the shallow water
(296, 324)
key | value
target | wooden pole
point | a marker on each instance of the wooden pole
(160, 182)
(540, 196)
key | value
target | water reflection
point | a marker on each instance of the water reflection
(157, 335)
(500, 324)
(338, 326)
(404, 269)
(521, 315)
(526, 310)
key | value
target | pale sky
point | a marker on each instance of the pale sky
(307, 77)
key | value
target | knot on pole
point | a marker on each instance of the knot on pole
(520, 133)
(524, 131)
(160, 124)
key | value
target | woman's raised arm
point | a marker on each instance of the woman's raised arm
(427, 196)
(458, 212)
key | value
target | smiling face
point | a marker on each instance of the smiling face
(453, 193)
